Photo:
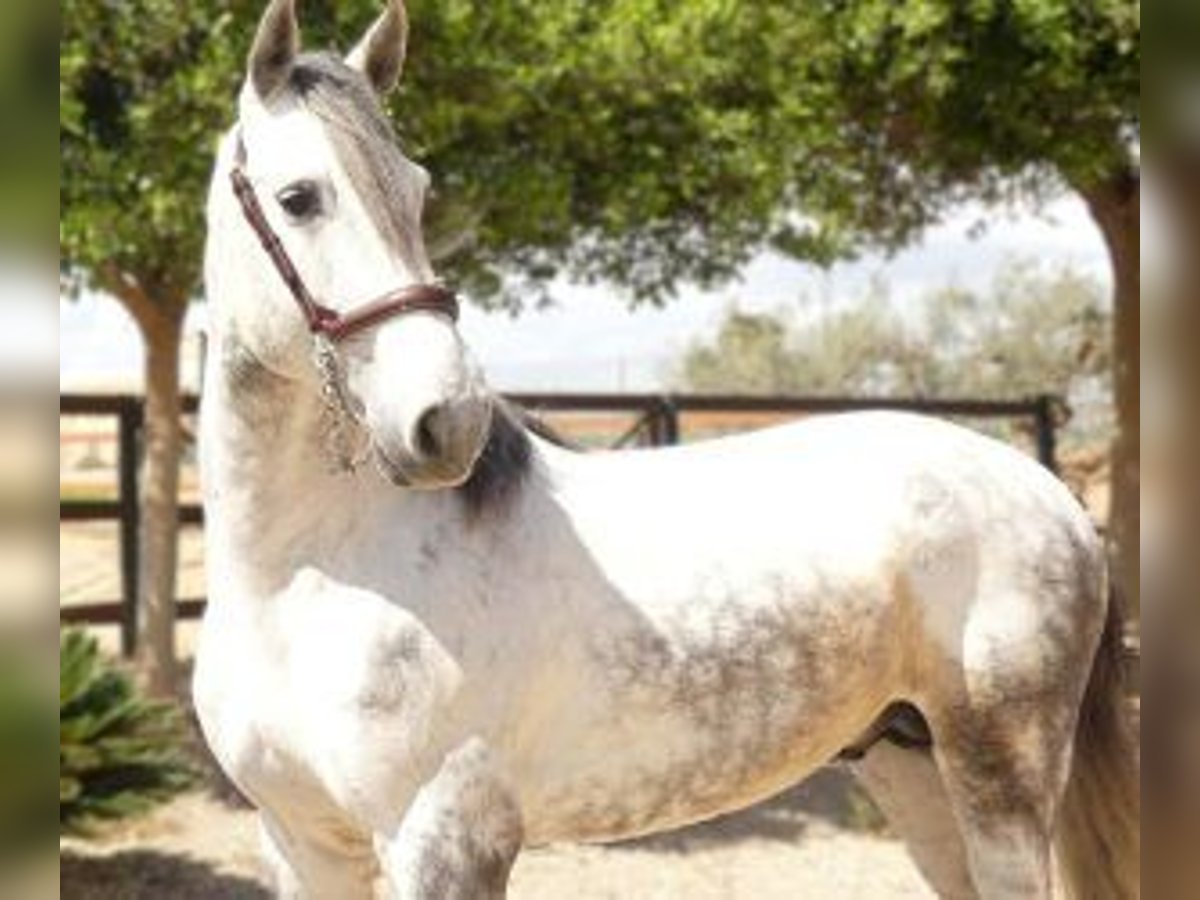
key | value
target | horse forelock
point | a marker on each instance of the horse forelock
(365, 145)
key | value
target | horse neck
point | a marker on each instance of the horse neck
(272, 502)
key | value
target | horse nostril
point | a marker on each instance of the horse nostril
(427, 440)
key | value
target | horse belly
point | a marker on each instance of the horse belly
(677, 727)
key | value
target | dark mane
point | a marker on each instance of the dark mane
(502, 467)
(507, 458)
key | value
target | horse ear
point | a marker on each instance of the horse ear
(380, 54)
(276, 45)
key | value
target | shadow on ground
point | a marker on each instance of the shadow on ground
(830, 796)
(149, 875)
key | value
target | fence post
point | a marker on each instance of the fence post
(664, 421)
(670, 412)
(1044, 424)
(128, 455)
(653, 418)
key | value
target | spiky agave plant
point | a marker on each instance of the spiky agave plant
(119, 753)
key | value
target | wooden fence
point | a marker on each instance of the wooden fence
(657, 421)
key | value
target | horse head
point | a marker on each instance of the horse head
(337, 209)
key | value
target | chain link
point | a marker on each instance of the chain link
(342, 420)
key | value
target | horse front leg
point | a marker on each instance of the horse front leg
(460, 837)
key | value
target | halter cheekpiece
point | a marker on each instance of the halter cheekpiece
(322, 319)
(328, 326)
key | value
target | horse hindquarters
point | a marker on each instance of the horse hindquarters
(1019, 783)
(1097, 824)
(1030, 691)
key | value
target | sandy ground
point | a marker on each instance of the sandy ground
(204, 847)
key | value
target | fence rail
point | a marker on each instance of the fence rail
(658, 422)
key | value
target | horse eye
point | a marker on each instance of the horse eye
(301, 200)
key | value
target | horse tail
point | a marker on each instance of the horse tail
(1099, 829)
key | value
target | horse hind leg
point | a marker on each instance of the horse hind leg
(973, 805)
(905, 783)
(1007, 760)
(1007, 824)
(1003, 750)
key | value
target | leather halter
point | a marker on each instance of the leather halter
(323, 321)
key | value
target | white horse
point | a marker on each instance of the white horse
(487, 641)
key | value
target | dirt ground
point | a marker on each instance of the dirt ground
(205, 847)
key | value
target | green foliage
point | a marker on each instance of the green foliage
(968, 95)
(1034, 331)
(563, 136)
(635, 141)
(119, 754)
(144, 87)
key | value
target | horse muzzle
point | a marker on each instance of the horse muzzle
(440, 447)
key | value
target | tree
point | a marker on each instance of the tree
(28, 32)
(564, 137)
(141, 92)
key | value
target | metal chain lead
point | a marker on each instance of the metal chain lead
(339, 409)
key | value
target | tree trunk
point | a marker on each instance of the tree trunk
(1115, 205)
(159, 502)
(159, 313)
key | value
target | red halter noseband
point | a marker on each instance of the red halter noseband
(321, 319)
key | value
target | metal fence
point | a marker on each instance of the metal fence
(657, 421)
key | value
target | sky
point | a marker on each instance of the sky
(591, 341)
